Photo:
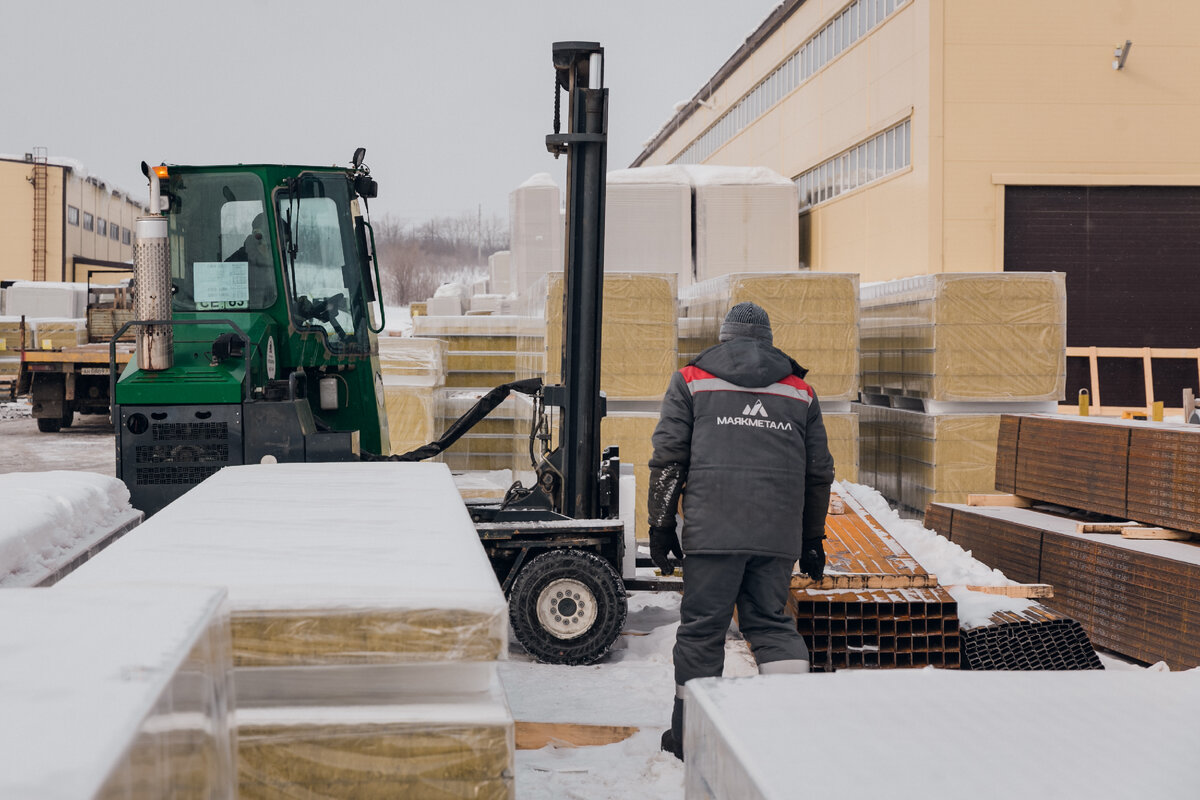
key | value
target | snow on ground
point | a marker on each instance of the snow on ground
(50, 517)
(18, 410)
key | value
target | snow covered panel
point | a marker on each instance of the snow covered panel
(536, 230)
(940, 733)
(500, 277)
(648, 222)
(444, 306)
(115, 692)
(456, 745)
(52, 519)
(348, 563)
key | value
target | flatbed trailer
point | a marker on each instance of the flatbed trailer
(68, 380)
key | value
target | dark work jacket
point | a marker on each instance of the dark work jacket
(748, 432)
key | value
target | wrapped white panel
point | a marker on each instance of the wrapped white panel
(537, 235)
(487, 303)
(46, 299)
(444, 306)
(942, 733)
(412, 361)
(648, 221)
(327, 565)
(116, 692)
(500, 272)
(746, 220)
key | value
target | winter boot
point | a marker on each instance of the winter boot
(672, 739)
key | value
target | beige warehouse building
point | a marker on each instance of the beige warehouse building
(57, 223)
(930, 136)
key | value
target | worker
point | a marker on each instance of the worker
(256, 252)
(743, 431)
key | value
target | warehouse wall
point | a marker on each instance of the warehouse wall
(1015, 93)
(65, 240)
(1031, 98)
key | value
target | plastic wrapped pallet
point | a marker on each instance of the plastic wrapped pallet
(55, 334)
(648, 221)
(741, 735)
(746, 220)
(454, 746)
(500, 272)
(842, 433)
(914, 459)
(421, 361)
(488, 445)
(537, 236)
(638, 335)
(46, 299)
(814, 319)
(412, 414)
(966, 337)
(481, 351)
(116, 693)
(391, 575)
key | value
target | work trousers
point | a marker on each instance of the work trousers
(712, 586)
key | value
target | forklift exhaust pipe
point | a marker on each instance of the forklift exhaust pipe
(152, 282)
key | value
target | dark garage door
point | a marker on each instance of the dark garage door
(1132, 259)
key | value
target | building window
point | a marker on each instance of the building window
(72, 215)
(884, 153)
(852, 23)
(114, 232)
(125, 236)
(101, 227)
(87, 221)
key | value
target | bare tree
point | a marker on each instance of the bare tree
(416, 258)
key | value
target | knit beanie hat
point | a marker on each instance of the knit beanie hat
(746, 319)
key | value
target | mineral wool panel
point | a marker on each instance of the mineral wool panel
(422, 360)
(741, 735)
(116, 692)
(814, 319)
(458, 745)
(966, 337)
(377, 564)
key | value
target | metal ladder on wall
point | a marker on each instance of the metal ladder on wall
(39, 181)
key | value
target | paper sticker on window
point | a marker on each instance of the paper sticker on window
(221, 284)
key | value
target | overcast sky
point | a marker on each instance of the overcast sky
(452, 100)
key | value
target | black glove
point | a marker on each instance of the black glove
(812, 559)
(663, 542)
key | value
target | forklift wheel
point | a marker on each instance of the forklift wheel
(567, 607)
(49, 424)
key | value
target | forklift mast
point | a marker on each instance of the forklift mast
(579, 69)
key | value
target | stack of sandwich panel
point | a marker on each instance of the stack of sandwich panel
(365, 633)
(116, 692)
(913, 459)
(814, 319)
(55, 334)
(741, 736)
(10, 346)
(638, 334)
(489, 444)
(413, 372)
(481, 350)
(746, 220)
(966, 337)
(648, 222)
(536, 231)
(46, 299)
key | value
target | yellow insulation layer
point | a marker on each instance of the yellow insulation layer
(966, 337)
(842, 432)
(412, 415)
(914, 459)
(409, 357)
(814, 319)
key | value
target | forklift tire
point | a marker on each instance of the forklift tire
(49, 424)
(567, 607)
(68, 418)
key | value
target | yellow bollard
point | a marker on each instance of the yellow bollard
(1085, 401)
(1156, 411)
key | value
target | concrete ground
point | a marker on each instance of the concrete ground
(88, 445)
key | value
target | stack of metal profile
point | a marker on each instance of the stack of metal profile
(912, 627)
(1034, 639)
(1137, 598)
(876, 607)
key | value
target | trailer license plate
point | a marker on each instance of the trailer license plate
(93, 370)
